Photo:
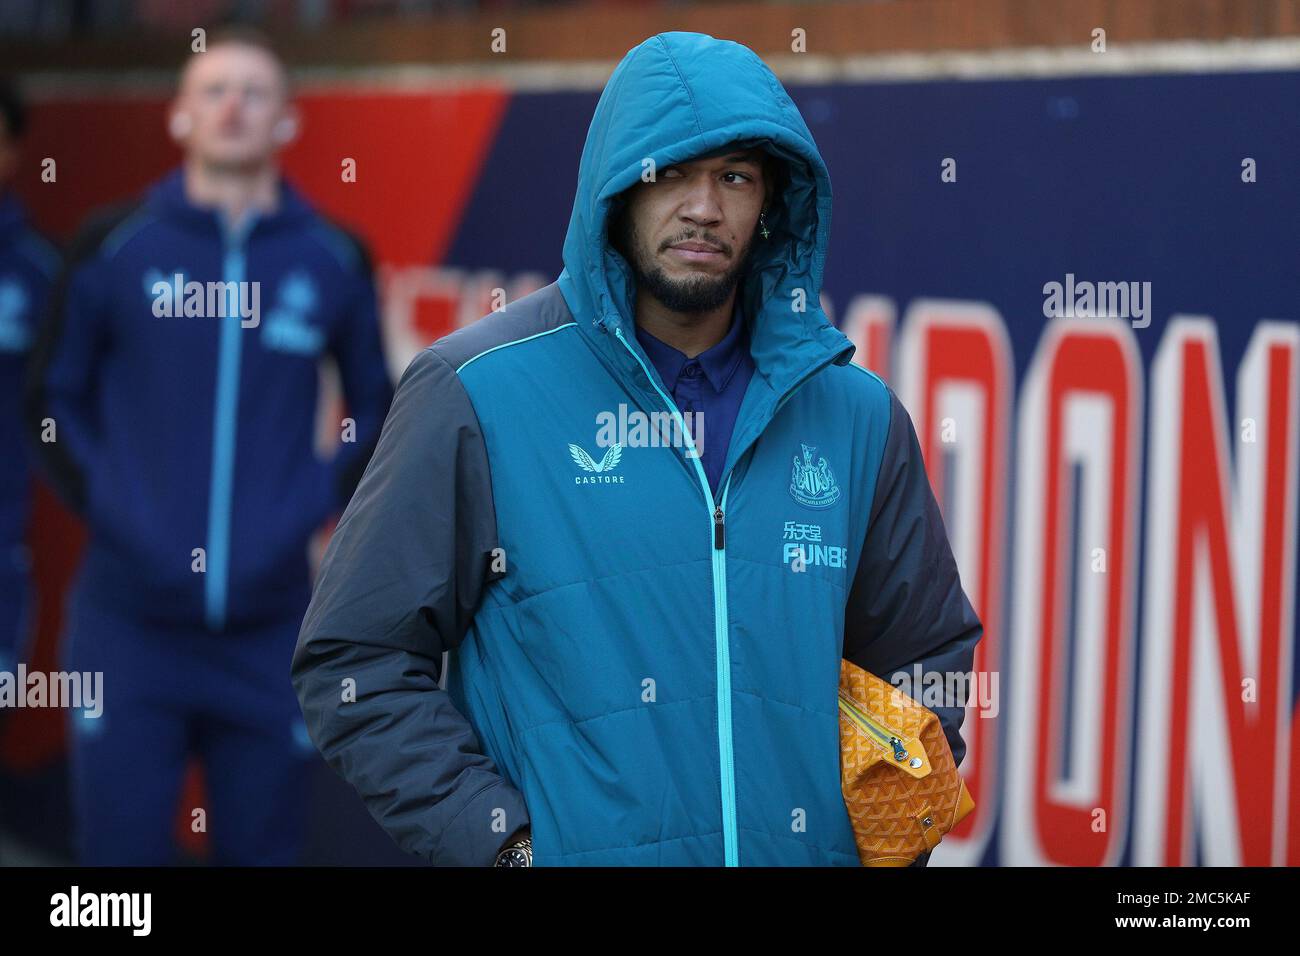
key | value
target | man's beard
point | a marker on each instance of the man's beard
(691, 295)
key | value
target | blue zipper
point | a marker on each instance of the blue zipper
(722, 644)
(225, 416)
(722, 640)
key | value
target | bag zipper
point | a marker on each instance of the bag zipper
(880, 733)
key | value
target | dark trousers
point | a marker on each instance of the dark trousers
(169, 694)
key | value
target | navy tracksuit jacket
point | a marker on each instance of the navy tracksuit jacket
(182, 432)
(187, 444)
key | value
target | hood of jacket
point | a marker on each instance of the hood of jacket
(672, 98)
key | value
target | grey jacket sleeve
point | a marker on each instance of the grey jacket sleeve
(399, 584)
(906, 605)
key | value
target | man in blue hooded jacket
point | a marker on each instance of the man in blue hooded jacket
(173, 399)
(644, 624)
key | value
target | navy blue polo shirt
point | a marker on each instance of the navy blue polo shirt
(711, 385)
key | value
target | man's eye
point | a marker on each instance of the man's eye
(670, 172)
(745, 176)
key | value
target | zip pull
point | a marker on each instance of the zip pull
(719, 532)
(900, 752)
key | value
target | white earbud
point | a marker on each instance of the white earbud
(285, 130)
(179, 124)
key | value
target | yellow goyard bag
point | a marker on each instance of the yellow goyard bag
(899, 779)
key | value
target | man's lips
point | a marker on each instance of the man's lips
(696, 251)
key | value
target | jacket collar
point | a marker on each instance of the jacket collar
(719, 362)
(167, 199)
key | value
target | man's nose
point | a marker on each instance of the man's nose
(232, 103)
(701, 204)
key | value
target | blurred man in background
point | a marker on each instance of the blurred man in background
(173, 398)
(28, 265)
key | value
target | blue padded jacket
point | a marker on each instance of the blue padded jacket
(636, 668)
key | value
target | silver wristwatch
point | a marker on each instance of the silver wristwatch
(519, 853)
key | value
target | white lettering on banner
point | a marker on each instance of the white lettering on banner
(1220, 603)
(955, 366)
(1072, 629)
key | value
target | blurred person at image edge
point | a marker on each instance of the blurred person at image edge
(187, 443)
(28, 267)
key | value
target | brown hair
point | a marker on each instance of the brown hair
(241, 34)
(773, 176)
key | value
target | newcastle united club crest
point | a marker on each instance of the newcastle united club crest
(813, 484)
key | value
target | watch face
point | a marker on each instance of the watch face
(513, 857)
